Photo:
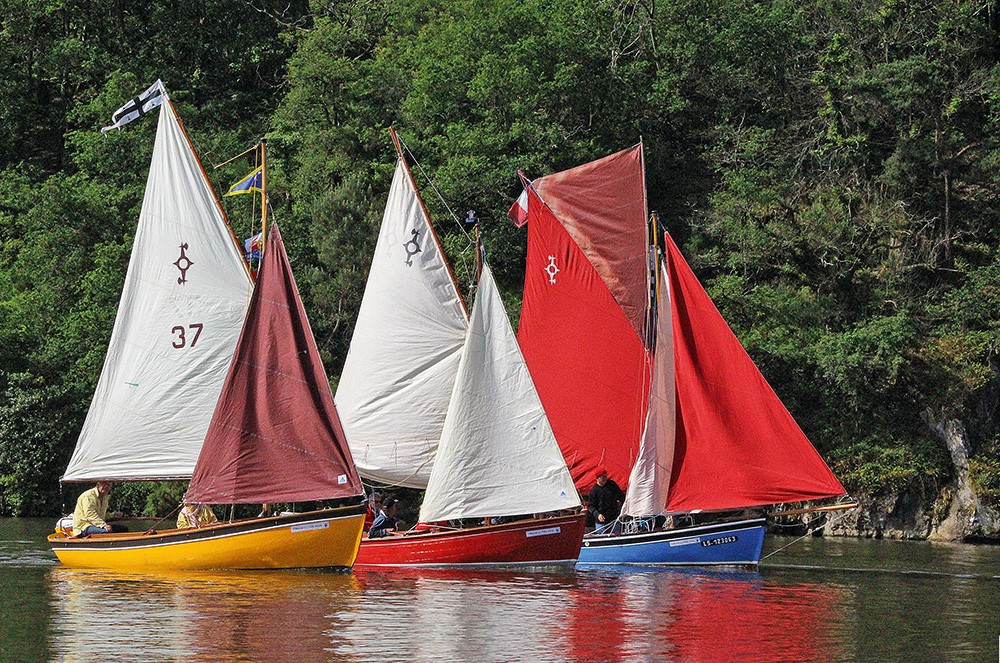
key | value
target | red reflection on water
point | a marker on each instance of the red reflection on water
(442, 614)
(703, 616)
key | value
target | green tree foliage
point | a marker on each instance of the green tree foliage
(829, 168)
(69, 197)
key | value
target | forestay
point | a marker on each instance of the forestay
(185, 296)
(498, 455)
(399, 373)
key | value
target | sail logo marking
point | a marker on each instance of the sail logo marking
(412, 247)
(551, 269)
(183, 264)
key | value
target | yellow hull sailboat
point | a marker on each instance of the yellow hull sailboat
(265, 431)
(325, 538)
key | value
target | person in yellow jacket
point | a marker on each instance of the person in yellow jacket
(91, 510)
(195, 515)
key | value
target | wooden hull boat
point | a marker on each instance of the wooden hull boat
(735, 543)
(165, 408)
(324, 538)
(435, 398)
(537, 541)
(643, 380)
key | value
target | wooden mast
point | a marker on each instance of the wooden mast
(263, 196)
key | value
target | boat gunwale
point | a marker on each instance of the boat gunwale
(639, 538)
(173, 536)
(417, 535)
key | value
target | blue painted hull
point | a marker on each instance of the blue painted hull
(736, 543)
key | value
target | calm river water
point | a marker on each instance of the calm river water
(817, 600)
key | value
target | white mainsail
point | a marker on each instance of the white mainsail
(497, 455)
(182, 307)
(397, 380)
(650, 478)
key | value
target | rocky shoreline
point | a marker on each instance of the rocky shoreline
(956, 513)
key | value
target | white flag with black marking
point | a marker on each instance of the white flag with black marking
(137, 107)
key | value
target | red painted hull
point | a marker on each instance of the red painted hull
(542, 541)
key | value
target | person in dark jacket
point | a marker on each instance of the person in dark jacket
(605, 501)
(385, 521)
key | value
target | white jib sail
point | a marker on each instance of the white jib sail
(182, 307)
(397, 380)
(650, 478)
(497, 455)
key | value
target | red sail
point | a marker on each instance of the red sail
(275, 435)
(602, 205)
(585, 357)
(736, 443)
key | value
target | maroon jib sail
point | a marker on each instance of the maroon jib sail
(275, 435)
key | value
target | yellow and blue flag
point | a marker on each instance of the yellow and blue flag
(248, 184)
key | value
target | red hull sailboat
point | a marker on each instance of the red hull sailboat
(550, 541)
(433, 399)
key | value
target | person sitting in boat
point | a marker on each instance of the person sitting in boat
(92, 509)
(605, 501)
(385, 521)
(374, 508)
(195, 515)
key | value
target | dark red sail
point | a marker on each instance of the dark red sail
(602, 205)
(275, 435)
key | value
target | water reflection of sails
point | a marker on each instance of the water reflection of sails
(470, 615)
(198, 616)
(703, 616)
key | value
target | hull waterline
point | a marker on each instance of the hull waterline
(724, 544)
(554, 540)
(325, 538)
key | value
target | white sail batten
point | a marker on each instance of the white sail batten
(397, 380)
(498, 455)
(649, 480)
(182, 307)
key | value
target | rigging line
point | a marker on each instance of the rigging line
(435, 189)
(807, 524)
(465, 264)
(246, 151)
(153, 527)
(808, 533)
(253, 197)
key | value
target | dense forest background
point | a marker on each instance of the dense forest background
(830, 169)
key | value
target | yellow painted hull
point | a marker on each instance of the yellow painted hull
(326, 538)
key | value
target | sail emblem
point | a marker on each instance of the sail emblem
(183, 264)
(410, 252)
(551, 269)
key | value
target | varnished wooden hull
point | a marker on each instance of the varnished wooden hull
(325, 538)
(539, 541)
